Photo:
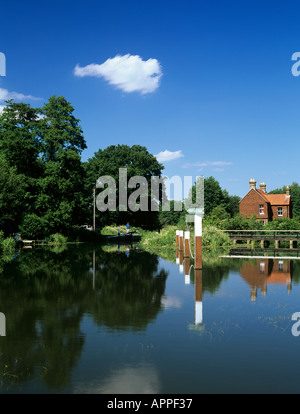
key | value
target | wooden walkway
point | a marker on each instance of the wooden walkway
(30, 243)
(263, 236)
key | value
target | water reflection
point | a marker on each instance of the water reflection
(257, 273)
(192, 275)
(45, 295)
(93, 319)
(262, 272)
(143, 379)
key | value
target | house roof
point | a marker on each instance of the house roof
(275, 199)
(279, 199)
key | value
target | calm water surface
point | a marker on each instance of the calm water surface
(86, 319)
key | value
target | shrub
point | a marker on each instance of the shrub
(212, 237)
(33, 227)
(239, 222)
(283, 224)
(8, 244)
(57, 238)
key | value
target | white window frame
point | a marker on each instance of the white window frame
(261, 209)
(279, 215)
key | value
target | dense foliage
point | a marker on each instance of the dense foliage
(45, 186)
(134, 161)
(47, 189)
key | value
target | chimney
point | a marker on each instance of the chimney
(252, 183)
(288, 191)
(263, 187)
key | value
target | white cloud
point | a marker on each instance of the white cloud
(128, 73)
(166, 155)
(1, 108)
(201, 165)
(6, 95)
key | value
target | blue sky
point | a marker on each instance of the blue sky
(209, 82)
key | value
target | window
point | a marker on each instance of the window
(261, 267)
(261, 209)
(279, 211)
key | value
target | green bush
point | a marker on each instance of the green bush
(33, 227)
(212, 237)
(8, 244)
(57, 238)
(239, 222)
(166, 238)
(283, 224)
(1, 238)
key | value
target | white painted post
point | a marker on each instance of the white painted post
(198, 240)
(180, 239)
(187, 244)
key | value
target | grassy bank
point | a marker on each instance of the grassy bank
(163, 242)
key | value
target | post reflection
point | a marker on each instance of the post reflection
(198, 297)
(195, 275)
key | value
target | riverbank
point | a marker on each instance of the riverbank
(163, 242)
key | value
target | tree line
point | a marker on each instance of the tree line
(46, 188)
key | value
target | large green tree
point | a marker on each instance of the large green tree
(61, 192)
(44, 145)
(138, 162)
(216, 197)
(20, 140)
(13, 192)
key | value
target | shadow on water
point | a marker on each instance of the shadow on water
(45, 294)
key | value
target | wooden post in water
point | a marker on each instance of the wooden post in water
(198, 241)
(198, 297)
(180, 239)
(187, 252)
(181, 261)
(177, 238)
(187, 264)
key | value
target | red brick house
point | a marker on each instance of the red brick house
(266, 207)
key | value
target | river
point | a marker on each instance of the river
(108, 320)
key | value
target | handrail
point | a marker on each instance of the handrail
(279, 231)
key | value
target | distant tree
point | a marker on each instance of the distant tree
(13, 192)
(138, 162)
(295, 197)
(232, 206)
(173, 216)
(215, 196)
(20, 141)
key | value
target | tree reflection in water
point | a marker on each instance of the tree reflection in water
(45, 293)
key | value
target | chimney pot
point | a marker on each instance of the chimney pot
(263, 187)
(252, 183)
